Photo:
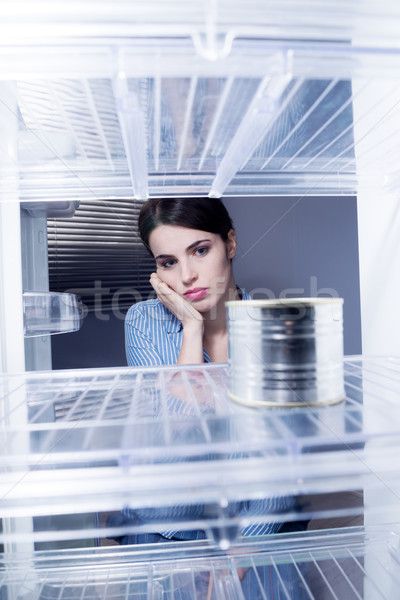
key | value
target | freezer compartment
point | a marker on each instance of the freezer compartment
(49, 313)
(169, 448)
(346, 564)
(155, 117)
(186, 133)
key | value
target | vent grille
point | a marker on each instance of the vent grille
(98, 254)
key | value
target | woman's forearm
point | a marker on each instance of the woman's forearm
(192, 345)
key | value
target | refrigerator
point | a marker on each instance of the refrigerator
(130, 100)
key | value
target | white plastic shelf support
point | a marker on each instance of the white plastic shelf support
(261, 113)
(13, 407)
(11, 315)
(35, 275)
(133, 130)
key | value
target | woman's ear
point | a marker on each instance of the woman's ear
(231, 244)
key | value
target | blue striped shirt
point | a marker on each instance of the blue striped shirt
(153, 337)
(153, 334)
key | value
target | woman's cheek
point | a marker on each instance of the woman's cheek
(168, 280)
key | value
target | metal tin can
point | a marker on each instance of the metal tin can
(286, 352)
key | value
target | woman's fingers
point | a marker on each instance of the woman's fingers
(180, 307)
(155, 281)
(161, 287)
(164, 292)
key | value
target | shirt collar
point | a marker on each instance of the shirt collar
(175, 326)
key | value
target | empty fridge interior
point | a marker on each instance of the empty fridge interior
(208, 98)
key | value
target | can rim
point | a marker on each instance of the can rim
(276, 404)
(284, 302)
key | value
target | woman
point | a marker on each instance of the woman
(193, 243)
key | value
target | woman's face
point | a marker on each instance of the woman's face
(189, 259)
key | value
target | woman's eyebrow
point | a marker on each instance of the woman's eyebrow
(188, 248)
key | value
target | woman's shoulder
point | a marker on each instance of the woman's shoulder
(146, 311)
(146, 307)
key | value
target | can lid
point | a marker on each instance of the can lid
(285, 302)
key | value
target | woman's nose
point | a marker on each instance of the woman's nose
(187, 273)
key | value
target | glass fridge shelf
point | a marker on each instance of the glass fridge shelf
(49, 313)
(352, 564)
(167, 444)
(153, 117)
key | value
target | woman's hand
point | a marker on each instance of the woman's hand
(180, 307)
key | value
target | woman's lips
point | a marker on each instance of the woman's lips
(198, 295)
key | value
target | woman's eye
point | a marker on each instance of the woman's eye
(202, 250)
(167, 264)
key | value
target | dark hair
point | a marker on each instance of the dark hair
(206, 214)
